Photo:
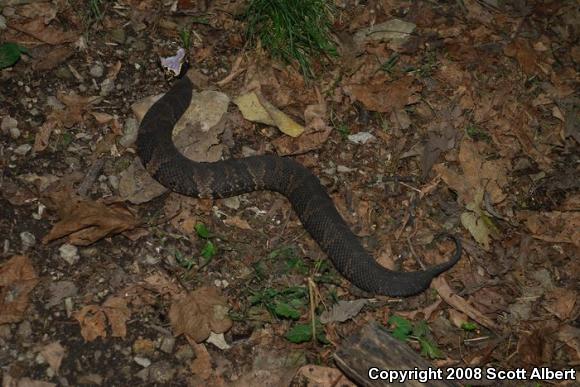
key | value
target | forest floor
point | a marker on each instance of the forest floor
(459, 117)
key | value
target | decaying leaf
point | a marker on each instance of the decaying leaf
(17, 279)
(84, 221)
(553, 226)
(381, 95)
(93, 318)
(53, 353)
(256, 108)
(314, 375)
(342, 311)
(198, 313)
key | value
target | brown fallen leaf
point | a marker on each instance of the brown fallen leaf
(161, 283)
(380, 95)
(45, 33)
(561, 302)
(199, 313)
(314, 375)
(17, 279)
(85, 222)
(201, 365)
(570, 336)
(237, 222)
(93, 318)
(117, 313)
(93, 322)
(53, 353)
(534, 348)
(9, 381)
(307, 141)
(73, 113)
(460, 303)
(555, 226)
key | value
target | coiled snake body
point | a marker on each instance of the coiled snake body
(308, 197)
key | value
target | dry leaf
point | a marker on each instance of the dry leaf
(85, 222)
(93, 322)
(313, 375)
(383, 96)
(17, 279)
(201, 365)
(53, 353)
(342, 311)
(308, 141)
(237, 222)
(256, 108)
(117, 313)
(198, 313)
(460, 303)
(561, 302)
(553, 226)
(51, 35)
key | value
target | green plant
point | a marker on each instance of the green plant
(405, 330)
(10, 53)
(285, 304)
(292, 30)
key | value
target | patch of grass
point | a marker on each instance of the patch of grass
(477, 133)
(292, 30)
(95, 9)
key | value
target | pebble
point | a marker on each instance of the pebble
(130, 129)
(344, 169)
(161, 372)
(2, 22)
(361, 137)
(14, 133)
(167, 344)
(24, 329)
(97, 70)
(23, 149)
(8, 123)
(142, 361)
(69, 253)
(54, 103)
(28, 240)
(118, 35)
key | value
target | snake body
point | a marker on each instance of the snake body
(303, 189)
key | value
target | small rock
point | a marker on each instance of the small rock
(8, 123)
(167, 344)
(28, 240)
(142, 361)
(114, 182)
(24, 329)
(361, 137)
(97, 70)
(69, 253)
(23, 149)
(130, 130)
(233, 202)
(247, 151)
(107, 86)
(184, 353)
(118, 35)
(161, 372)
(344, 169)
(14, 133)
(64, 73)
(54, 103)
(2, 22)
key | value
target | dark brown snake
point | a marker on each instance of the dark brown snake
(308, 197)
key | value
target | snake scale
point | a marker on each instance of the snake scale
(303, 189)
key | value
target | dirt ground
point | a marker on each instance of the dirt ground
(458, 116)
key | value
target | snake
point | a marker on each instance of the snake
(308, 197)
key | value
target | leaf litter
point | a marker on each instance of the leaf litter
(471, 93)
